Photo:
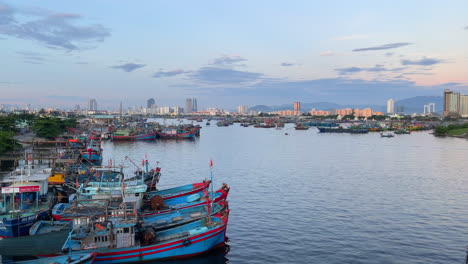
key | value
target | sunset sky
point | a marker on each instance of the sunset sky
(227, 53)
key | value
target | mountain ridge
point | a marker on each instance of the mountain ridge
(409, 105)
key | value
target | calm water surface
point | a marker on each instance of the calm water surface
(325, 198)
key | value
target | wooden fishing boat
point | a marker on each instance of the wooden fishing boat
(179, 133)
(93, 153)
(201, 198)
(128, 135)
(122, 241)
(182, 215)
(180, 190)
(387, 135)
(24, 200)
(301, 127)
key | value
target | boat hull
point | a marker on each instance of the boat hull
(190, 246)
(20, 226)
(149, 136)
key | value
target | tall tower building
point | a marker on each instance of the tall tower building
(194, 105)
(150, 103)
(390, 106)
(188, 105)
(92, 105)
(451, 102)
(297, 107)
(242, 109)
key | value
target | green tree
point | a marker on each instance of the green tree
(7, 142)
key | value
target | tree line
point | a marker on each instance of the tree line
(43, 126)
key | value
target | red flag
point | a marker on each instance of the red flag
(211, 163)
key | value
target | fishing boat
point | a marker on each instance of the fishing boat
(178, 133)
(182, 215)
(386, 135)
(93, 153)
(24, 200)
(127, 134)
(123, 241)
(301, 127)
(198, 199)
(180, 190)
(49, 226)
(402, 132)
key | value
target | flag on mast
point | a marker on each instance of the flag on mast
(211, 163)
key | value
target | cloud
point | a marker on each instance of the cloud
(351, 37)
(162, 74)
(128, 67)
(389, 54)
(417, 73)
(384, 47)
(227, 60)
(31, 57)
(466, 28)
(217, 75)
(376, 68)
(287, 64)
(422, 62)
(53, 30)
(327, 53)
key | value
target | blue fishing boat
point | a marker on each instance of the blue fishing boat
(24, 200)
(201, 198)
(93, 153)
(179, 133)
(183, 215)
(181, 190)
(121, 241)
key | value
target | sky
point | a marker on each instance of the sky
(229, 53)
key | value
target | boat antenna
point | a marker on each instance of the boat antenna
(211, 175)
(127, 158)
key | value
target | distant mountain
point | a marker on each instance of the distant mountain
(410, 105)
(416, 104)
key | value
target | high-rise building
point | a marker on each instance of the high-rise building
(150, 103)
(464, 105)
(297, 107)
(400, 109)
(242, 109)
(188, 106)
(194, 105)
(390, 106)
(77, 107)
(92, 105)
(429, 108)
(451, 102)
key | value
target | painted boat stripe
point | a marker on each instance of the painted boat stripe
(146, 253)
(164, 245)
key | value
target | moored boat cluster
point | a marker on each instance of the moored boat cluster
(106, 214)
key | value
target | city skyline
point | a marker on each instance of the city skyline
(62, 53)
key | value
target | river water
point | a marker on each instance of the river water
(308, 197)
